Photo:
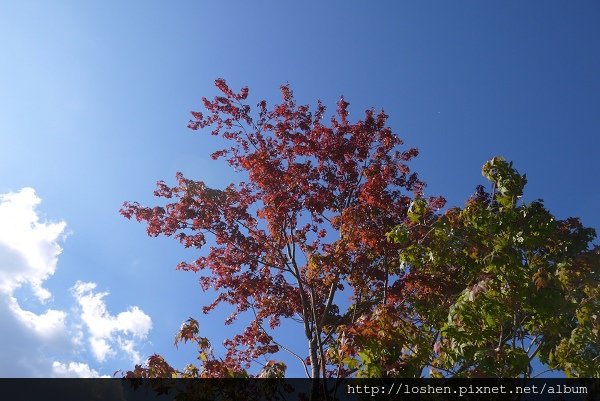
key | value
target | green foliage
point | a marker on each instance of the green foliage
(519, 283)
(507, 181)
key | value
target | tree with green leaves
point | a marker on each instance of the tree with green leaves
(489, 288)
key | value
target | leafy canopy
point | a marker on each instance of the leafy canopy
(331, 210)
(501, 282)
(309, 222)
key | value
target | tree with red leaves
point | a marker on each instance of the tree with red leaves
(306, 229)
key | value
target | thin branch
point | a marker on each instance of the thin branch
(257, 259)
(279, 344)
(545, 371)
(387, 277)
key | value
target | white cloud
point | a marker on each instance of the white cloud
(30, 247)
(29, 251)
(73, 369)
(48, 324)
(106, 331)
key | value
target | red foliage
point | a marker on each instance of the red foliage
(310, 220)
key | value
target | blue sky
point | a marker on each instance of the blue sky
(95, 98)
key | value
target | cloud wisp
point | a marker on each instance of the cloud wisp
(106, 331)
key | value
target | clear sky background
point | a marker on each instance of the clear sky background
(95, 99)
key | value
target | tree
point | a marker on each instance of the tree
(501, 282)
(310, 222)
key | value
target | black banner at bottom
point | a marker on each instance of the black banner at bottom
(300, 389)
